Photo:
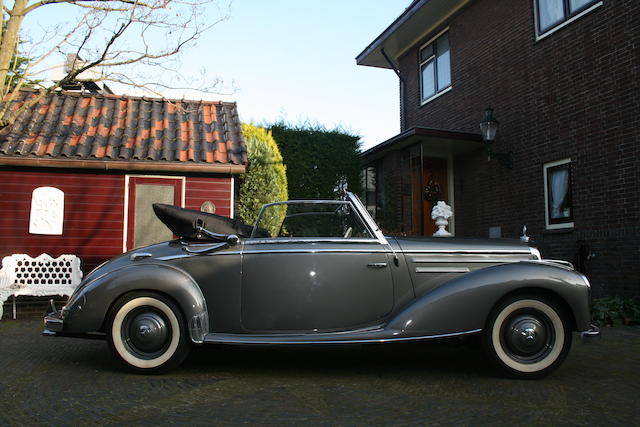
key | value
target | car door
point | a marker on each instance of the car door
(323, 275)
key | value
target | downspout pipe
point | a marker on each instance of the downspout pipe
(393, 66)
(403, 86)
(403, 97)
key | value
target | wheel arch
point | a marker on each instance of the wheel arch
(169, 281)
(544, 293)
(464, 303)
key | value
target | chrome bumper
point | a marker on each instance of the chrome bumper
(594, 331)
(53, 322)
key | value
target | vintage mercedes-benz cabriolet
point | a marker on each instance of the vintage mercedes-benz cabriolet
(322, 272)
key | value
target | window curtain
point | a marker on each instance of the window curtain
(578, 4)
(559, 188)
(443, 62)
(550, 12)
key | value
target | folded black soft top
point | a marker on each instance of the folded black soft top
(182, 222)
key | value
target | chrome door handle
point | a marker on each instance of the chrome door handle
(377, 264)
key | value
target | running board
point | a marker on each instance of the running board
(359, 337)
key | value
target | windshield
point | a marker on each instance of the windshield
(310, 219)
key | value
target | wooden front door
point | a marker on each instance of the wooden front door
(429, 184)
(143, 227)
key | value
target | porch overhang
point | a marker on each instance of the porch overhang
(421, 18)
(436, 141)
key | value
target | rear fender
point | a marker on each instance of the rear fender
(87, 311)
(463, 304)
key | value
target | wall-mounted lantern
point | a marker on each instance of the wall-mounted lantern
(489, 128)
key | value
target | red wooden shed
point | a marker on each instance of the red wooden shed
(112, 157)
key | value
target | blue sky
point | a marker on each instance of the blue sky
(294, 60)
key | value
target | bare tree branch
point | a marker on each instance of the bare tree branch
(86, 3)
(117, 39)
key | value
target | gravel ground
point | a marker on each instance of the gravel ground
(66, 381)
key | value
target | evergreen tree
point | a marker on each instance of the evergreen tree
(265, 180)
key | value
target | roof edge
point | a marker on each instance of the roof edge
(125, 97)
(422, 131)
(107, 165)
(400, 20)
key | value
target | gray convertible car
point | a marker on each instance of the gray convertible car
(322, 272)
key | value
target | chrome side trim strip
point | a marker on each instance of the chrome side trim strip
(187, 255)
(204, 249)
(304, 240)
(170, 257)
(459, 260)
(308, 339)
(468, 251)
(314, 251)
(442, 270)
(556, 262)
(278, 251)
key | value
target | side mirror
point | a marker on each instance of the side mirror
(232, 239)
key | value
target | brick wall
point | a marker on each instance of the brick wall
(572, 94)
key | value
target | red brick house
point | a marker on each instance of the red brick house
(112, 157)
(562, 78)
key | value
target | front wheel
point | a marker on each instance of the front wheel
(146, 332)
(527, 336)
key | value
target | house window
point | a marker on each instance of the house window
(551, 14)
(435, 68)
(558, 198)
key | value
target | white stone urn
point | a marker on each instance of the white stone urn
(441, 213)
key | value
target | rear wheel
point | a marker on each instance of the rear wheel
(147, 333)
(527, 336)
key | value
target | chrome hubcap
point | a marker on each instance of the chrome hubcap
(146, 333)
(528, 337)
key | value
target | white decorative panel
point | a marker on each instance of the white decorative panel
(47, 211)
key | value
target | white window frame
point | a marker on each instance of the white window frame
(545, 174)
(439, 92)
(557, 27)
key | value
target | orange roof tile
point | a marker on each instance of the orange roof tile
(112, 127)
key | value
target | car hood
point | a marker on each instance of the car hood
(462, 245)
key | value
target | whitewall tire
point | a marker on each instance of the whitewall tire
(147, 333)
(527, 336)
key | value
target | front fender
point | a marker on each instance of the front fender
(463, 304)
(88, 309)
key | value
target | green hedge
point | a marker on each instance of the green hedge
(321, 163)
(615, 311)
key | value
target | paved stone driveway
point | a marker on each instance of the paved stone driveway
(64, 381)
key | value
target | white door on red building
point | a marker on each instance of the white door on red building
(142, 226)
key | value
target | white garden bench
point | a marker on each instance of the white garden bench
(40, 276)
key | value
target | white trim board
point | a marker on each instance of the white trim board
(126, 200)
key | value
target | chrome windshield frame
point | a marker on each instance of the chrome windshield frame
(352, 200)
(366, 217)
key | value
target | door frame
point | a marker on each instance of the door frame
(452, 203)
(125, 231)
